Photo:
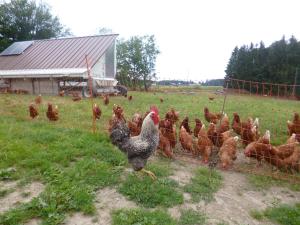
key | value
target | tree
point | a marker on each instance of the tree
(105, 30)
(277, 63)
(22, 20)
(136, 60)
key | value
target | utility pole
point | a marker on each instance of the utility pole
(295, 82)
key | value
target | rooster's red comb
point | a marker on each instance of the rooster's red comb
(154, 109)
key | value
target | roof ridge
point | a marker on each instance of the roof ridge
(65, 38)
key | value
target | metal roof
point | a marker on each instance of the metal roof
(59, 53)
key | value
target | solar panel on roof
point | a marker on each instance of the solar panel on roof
(17, 48)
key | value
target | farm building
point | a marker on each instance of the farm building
(48, 66)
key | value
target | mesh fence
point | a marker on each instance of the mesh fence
(275, 153)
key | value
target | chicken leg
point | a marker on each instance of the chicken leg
(148, 172)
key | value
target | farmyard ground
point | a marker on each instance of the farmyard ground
(60, 172)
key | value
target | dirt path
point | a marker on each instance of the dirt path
(232, 204)
(234, 200)
(107, 200)
(19, 194)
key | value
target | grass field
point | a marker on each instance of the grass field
(73, 164)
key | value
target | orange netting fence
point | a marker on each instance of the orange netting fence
(263, 88)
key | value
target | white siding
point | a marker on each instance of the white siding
(37, 86)
(98, 69)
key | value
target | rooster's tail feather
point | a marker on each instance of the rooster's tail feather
(120, 134)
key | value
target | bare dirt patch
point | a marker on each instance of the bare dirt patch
(182, 173)
(234, 201)
(20, 195)
(34, 222)
(107, 200)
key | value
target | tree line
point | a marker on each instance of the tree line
(277, 63)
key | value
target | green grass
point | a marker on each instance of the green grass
(204, 184)
(5, 192)
(148, 193)
(142, 217)
(161, 167)
(256, 214)
(282, 214)
(285, 215)
(73, 163)
(156, 217)
(264, 183)
(191, 217)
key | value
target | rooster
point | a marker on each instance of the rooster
(130, 98)
(161, 100)
(138, 148)
(96, 112)
(51, 113)
(33, 111)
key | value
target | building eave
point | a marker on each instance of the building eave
(44, 73)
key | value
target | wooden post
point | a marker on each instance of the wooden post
(278, 90)
(90, 83)
(285, 91)
(39, 86)
(238, 84)
(250, 87)
(295, 82)
(52, 84)
(32, 83)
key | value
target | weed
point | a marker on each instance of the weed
(265, 182)
(151, 193)
(204, 184)
(191, 217)
(142, 217)
(256, 214)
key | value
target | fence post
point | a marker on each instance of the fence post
(90, 83)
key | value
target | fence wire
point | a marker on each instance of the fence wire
(277, 159)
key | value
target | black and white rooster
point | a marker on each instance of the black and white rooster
(138, 148)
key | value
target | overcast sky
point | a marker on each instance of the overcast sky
(195, 38)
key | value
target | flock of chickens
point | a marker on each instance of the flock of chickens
(201, 141)
(52, 113)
